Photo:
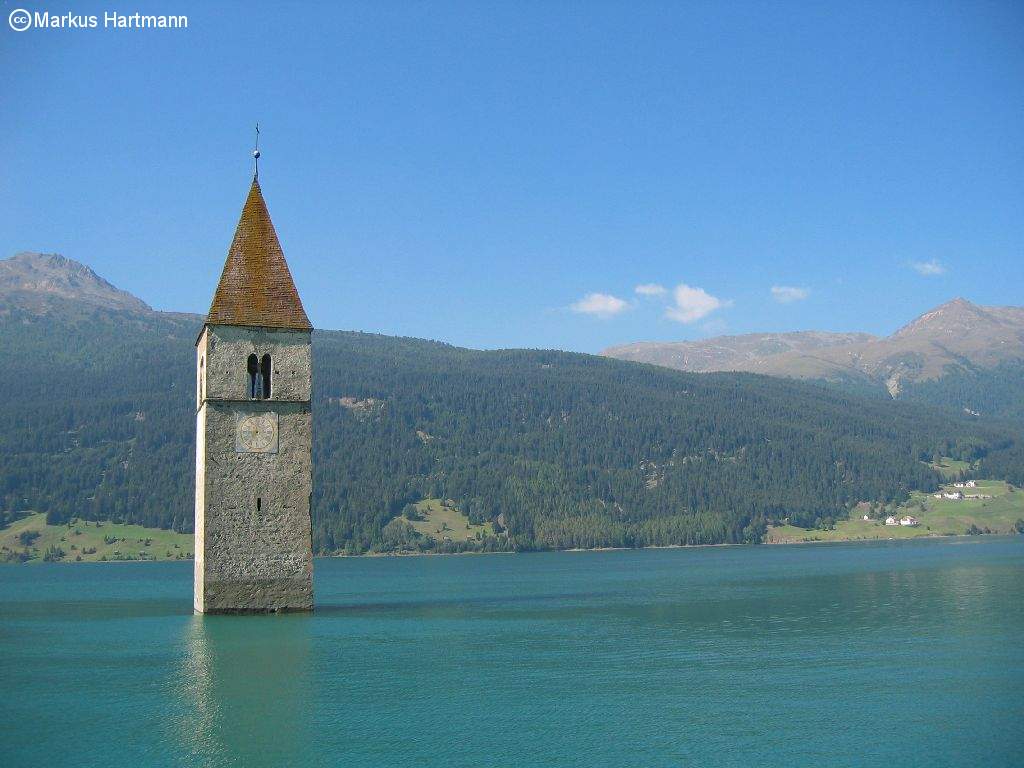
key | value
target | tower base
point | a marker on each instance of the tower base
(255, 596)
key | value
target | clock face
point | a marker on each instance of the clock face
(256, 433)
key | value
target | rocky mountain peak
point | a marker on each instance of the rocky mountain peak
(33, 280)
(957, 316)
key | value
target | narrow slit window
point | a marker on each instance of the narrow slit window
(265, 370)
(259, 503)
(254, 380)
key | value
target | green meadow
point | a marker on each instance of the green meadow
(31, 539)
(938, 517)
(443, 520)
(951, 469)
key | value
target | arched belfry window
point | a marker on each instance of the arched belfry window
(253, 367)
(259, 377)
(265, 376)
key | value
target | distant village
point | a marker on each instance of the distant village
(908, 520)
(954, 495)
(959, 495)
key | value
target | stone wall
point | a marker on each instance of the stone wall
(223, 350)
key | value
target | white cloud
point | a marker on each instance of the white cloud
(651, 289)
(929, 268)
(691, 304)
(787, 294)
(599, 305)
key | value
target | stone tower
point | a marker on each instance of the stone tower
(254, 432)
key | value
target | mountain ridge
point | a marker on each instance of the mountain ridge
(958, 354)
(713, 354)
(955, 335)
(957, 332)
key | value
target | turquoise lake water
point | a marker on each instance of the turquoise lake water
(888, 654)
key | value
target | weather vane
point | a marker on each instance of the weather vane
(256, 154)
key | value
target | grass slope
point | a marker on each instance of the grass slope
(939, 517)
(85, 541)
(950, 468)
(442, 521)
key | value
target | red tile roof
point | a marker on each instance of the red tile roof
(256, 287)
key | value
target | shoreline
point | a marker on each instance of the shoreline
(529, 551)
(927, 537)
(371, 555)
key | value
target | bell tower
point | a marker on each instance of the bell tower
(254, 475)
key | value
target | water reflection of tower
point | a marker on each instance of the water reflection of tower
(246, 684)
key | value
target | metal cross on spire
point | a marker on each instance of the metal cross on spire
(256, 154)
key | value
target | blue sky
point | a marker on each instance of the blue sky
(507, 174)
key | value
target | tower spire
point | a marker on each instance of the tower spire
(256, 154)
(256, 286)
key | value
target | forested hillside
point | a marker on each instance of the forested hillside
(98, 414)
(563, 449)
(997, 392)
